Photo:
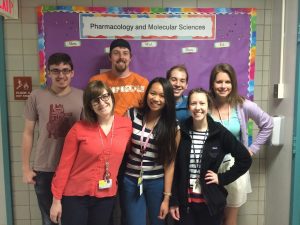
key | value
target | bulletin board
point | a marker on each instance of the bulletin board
(230, 38)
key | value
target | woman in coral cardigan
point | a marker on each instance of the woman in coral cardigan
(85, 182)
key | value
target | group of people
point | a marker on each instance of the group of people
(161, 152)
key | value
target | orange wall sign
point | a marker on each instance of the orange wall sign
(22, 87)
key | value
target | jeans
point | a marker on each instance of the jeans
(198, 214)
(86, 210)
(44, 195)
(136, 206)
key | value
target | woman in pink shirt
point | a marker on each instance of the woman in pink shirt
(85, 182)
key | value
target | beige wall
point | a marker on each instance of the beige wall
(22, 60)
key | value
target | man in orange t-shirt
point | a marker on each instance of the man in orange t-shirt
(128, 87)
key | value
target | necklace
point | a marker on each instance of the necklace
(228, 118)
(107, 174)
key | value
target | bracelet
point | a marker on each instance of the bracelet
(167, 194)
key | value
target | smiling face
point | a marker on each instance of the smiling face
(120, 58)
(222, 85)
(156, 98)
(178, 80)
(61, 76)
(103, 105)
(198, 106)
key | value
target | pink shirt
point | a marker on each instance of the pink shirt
(82, 162)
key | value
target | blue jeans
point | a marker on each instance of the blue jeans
(86, 210)
(44, 195)
(136, 206)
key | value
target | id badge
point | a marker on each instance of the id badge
(140, 187)
(104, 184)
(196, 187)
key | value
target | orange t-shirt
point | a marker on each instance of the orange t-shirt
(128, 91)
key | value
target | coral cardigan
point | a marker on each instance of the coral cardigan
(85, 151)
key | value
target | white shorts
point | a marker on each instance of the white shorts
(238, 189)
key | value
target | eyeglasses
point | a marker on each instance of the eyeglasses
(58, 71)
(104, 98)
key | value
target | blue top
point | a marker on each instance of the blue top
(182, 112)
(233, 124)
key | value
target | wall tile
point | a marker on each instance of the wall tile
(262, 180)
(22, 222)
(12, 31)
(15, 108)
(29, 15)
(13, 47)
(29, 31)
(35, 212)
(36, 222)
(266, 50)
(148, 3)
(107, 3)
(259, 48)
(21, 198)
(33, 198)
(179, 3)
(255, 166)
(259, 32)
(214, 4)
(21, 212)
(260, 220)
(34, 3)
(16, 139)
(15, 154)
(261, 207)
(257, 93)
(16, 169)
(254, 196)
(259, 63)
(265, 94)
(261, 193)
(247, 220)
(267, 33)
(266, 62)
(30, 47)
(74, 2)
(258, 77)
(268, 17)
(14, 62)
(268, 4)
(31, 62)
(259, 4)
(260, 17)
(18, 185)
(16, 124)
(266, 76)
(251, 208)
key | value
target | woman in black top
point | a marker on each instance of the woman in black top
(198, 195)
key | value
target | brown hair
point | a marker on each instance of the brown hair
(181, 68)
(93, 90)
(234, 98)
(199, 90)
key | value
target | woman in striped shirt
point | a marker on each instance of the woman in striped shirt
(198, 195)
(150, 164)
